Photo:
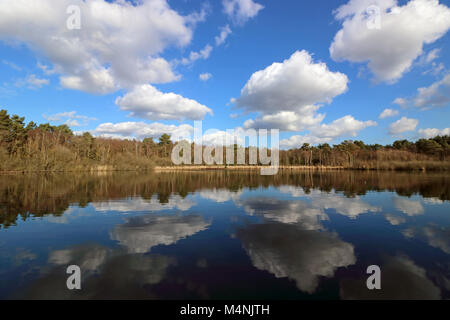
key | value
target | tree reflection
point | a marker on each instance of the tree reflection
(24, 196)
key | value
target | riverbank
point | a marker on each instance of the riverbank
(373, 166)
(243, 167)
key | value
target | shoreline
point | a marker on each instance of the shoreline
(243, 167)
(405, 167)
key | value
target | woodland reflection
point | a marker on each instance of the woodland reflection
(25, 196)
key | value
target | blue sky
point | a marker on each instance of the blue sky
(133, 69)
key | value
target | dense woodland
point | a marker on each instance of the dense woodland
(32, 147)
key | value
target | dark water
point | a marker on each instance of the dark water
(220, 235)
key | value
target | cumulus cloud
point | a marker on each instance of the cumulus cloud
(205, 76)
(147, 102)
(107, 52)
(287, 120)
(287, 251)
(142, 130)
(240, 11)
(140, 234)
(224, 33)
(288, 95)
(288, 86)
(403, 125)
(391, 47)
(433, 132)
(345, 126)
(388, 113)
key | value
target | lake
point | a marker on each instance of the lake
(225, 235)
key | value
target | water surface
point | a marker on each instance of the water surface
(225, 235)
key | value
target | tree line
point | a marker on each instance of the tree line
(44, 147)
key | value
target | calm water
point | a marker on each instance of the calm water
(220, 235)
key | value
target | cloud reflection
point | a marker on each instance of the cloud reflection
(142, 205)
(140, 234)
(220, 195)
(401, 279)
(302, 255)
(290, 212)
(106, 274)
(408, 207)
(435, 236)
(350, 207)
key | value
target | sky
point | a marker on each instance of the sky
(318, 71)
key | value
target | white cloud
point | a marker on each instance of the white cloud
(205, 76)
(402, 102)
(390, 49)
(142, 130)
(388, 113)
(224, 33)
(296, 141)
(403, 125)
(194, 56)
(240, 11)
(290, 85)
(287, 94)
(98, 81)
(71, 118)
(433, 132)
(287, 120)
(345, 126)
(119, 43)
(436, 95)
(220, 138)
(147, 102)
(32, 82)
